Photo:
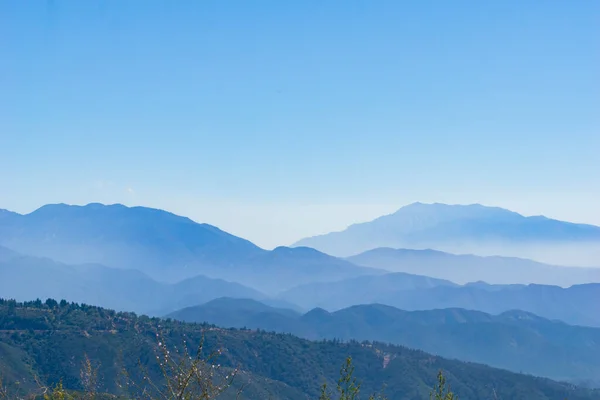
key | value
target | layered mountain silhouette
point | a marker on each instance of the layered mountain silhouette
(577, 304)
(231, 312)
(467, 229)
(27, 278)
(469, 268)
(361, 290)
(121, 237)
(165, 246)
(514, 340)
(154, 262)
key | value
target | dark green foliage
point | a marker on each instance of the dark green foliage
(441, 392)
(348, 387)
(53, 344)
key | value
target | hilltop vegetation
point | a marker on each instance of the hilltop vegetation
(51, 340)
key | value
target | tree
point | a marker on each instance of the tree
(440, 391)
(51, 303)
(186, 376)
(348, 388)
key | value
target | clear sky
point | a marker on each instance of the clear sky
(280, 119)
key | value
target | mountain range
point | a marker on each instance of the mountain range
(25, 278)
(467, 268)
(152, 261)
(514, 340)
(51, 340)
(170, 248)
(467, 229)
(501, 310)
(576, 305)
(164, 246)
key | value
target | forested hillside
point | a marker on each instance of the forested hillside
(52, 339)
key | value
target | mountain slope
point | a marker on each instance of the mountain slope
(23, 278)
(576, 305)
(151, 240)
(466, 229)
(7, 254)
(163, 245)
(285, 267)
(514, 340)
(361, 290)
(469, 268)
(235, 313)
(120, 341)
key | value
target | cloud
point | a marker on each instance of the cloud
(130, 191)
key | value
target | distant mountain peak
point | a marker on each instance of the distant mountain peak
(317, 312)
(165, 245)
(55, 207)
(524, 315)
(463, 229)
(116, 209)
(460, 209)
(403, 251)
(286, 249)
(7, 213)
(232, 300)
(301, 250)
(102, 205)
(421, 216)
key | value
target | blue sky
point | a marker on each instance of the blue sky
(279, 119)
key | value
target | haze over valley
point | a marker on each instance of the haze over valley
(163, 265)
(341, 200)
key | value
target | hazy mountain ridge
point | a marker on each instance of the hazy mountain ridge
(472, 228)
(7, 254)
(101, 233)
(464, 268)
(515, 340)
(165, 246)
(26, 278)
(577, 304)
(363, 289)
(236, 313)
(176, 246)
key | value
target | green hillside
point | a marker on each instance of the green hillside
(51, 340)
